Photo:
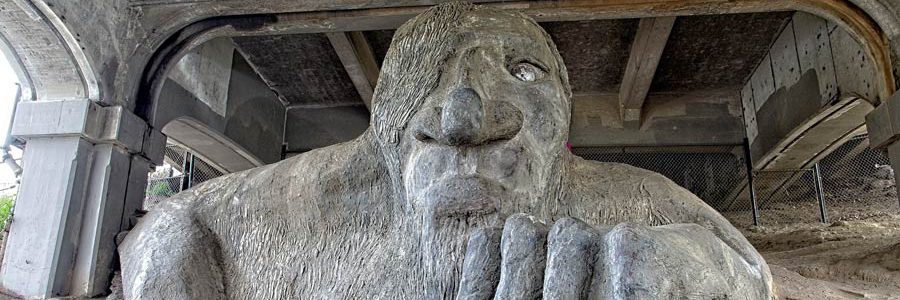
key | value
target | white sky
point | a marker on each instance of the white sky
(8, 82)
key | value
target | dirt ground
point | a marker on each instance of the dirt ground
(855, 256)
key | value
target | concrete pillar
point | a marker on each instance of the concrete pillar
(883, 124)
(84, 174)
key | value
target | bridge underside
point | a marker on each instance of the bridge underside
(246, 83)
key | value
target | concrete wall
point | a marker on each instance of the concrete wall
(176, 101)
(676, 119)
(310, 128)
(105, 31)
(240, 116)
(38, 54)
(810, 66)
(194, 69)
(254, 116)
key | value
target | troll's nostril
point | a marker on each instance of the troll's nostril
(462, 116)
(424, 137)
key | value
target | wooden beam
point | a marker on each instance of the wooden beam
(646, 51)
(357, 58)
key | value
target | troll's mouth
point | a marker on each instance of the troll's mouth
(466, 195)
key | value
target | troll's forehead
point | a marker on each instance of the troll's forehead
(412, 66)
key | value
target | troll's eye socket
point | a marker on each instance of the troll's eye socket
(527, 72)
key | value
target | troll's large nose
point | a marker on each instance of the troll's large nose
(462, 116)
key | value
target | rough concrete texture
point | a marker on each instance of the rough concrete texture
(103, 33)
(58, 162)
(808, 69)
(854, 70)
(254, 117)
(748, 110)
(696, 118)
(887, 14)
(251, 117)
(601, 51)
(694, 58)
(465, 157)
(380, 41)
(46, 71)
(120, 36)
(311, 128)
(302, 68)
(75, 194)
(206, 70)
(697, 59)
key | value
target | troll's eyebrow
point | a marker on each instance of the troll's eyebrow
(510, 60)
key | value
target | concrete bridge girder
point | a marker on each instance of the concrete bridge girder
(216, 105)
(125, 62)
(217, 150)
(813, 88)
(157, 23)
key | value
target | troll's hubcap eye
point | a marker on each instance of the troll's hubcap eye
(527, 72)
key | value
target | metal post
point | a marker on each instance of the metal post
(190, 175)
(820, 194)
(752, 189)
(186, 170)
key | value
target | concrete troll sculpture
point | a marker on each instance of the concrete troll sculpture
(461, 188)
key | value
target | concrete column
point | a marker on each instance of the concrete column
(84, 175)
(883, 125)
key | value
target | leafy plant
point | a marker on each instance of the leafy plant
(160, 189)
(6, 205)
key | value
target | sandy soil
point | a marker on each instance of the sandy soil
(843, 260)
(856, 256)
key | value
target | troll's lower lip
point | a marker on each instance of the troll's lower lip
(464, 195)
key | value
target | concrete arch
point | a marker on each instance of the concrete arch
(887, 15)
(809, 95)
(225, 104)
(45, 55)
(216, 149)
(818, 136)
(220, 137)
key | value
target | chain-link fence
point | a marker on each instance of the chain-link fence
(853, 182)
(180, 171)
(712, 173)
(786, 196)
(858, 182)
(162, 188)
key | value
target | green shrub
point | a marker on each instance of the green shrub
(160, 189)
(6, 205)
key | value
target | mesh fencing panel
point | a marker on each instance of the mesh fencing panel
(181, 170)
(785, 197)
(202, 171)
(174, 156)
(713, 174)
(161, 188)
(858, 182)
(853, 182)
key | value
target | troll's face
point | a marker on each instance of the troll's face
(489, 132)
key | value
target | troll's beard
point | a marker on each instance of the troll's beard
(443, 248)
